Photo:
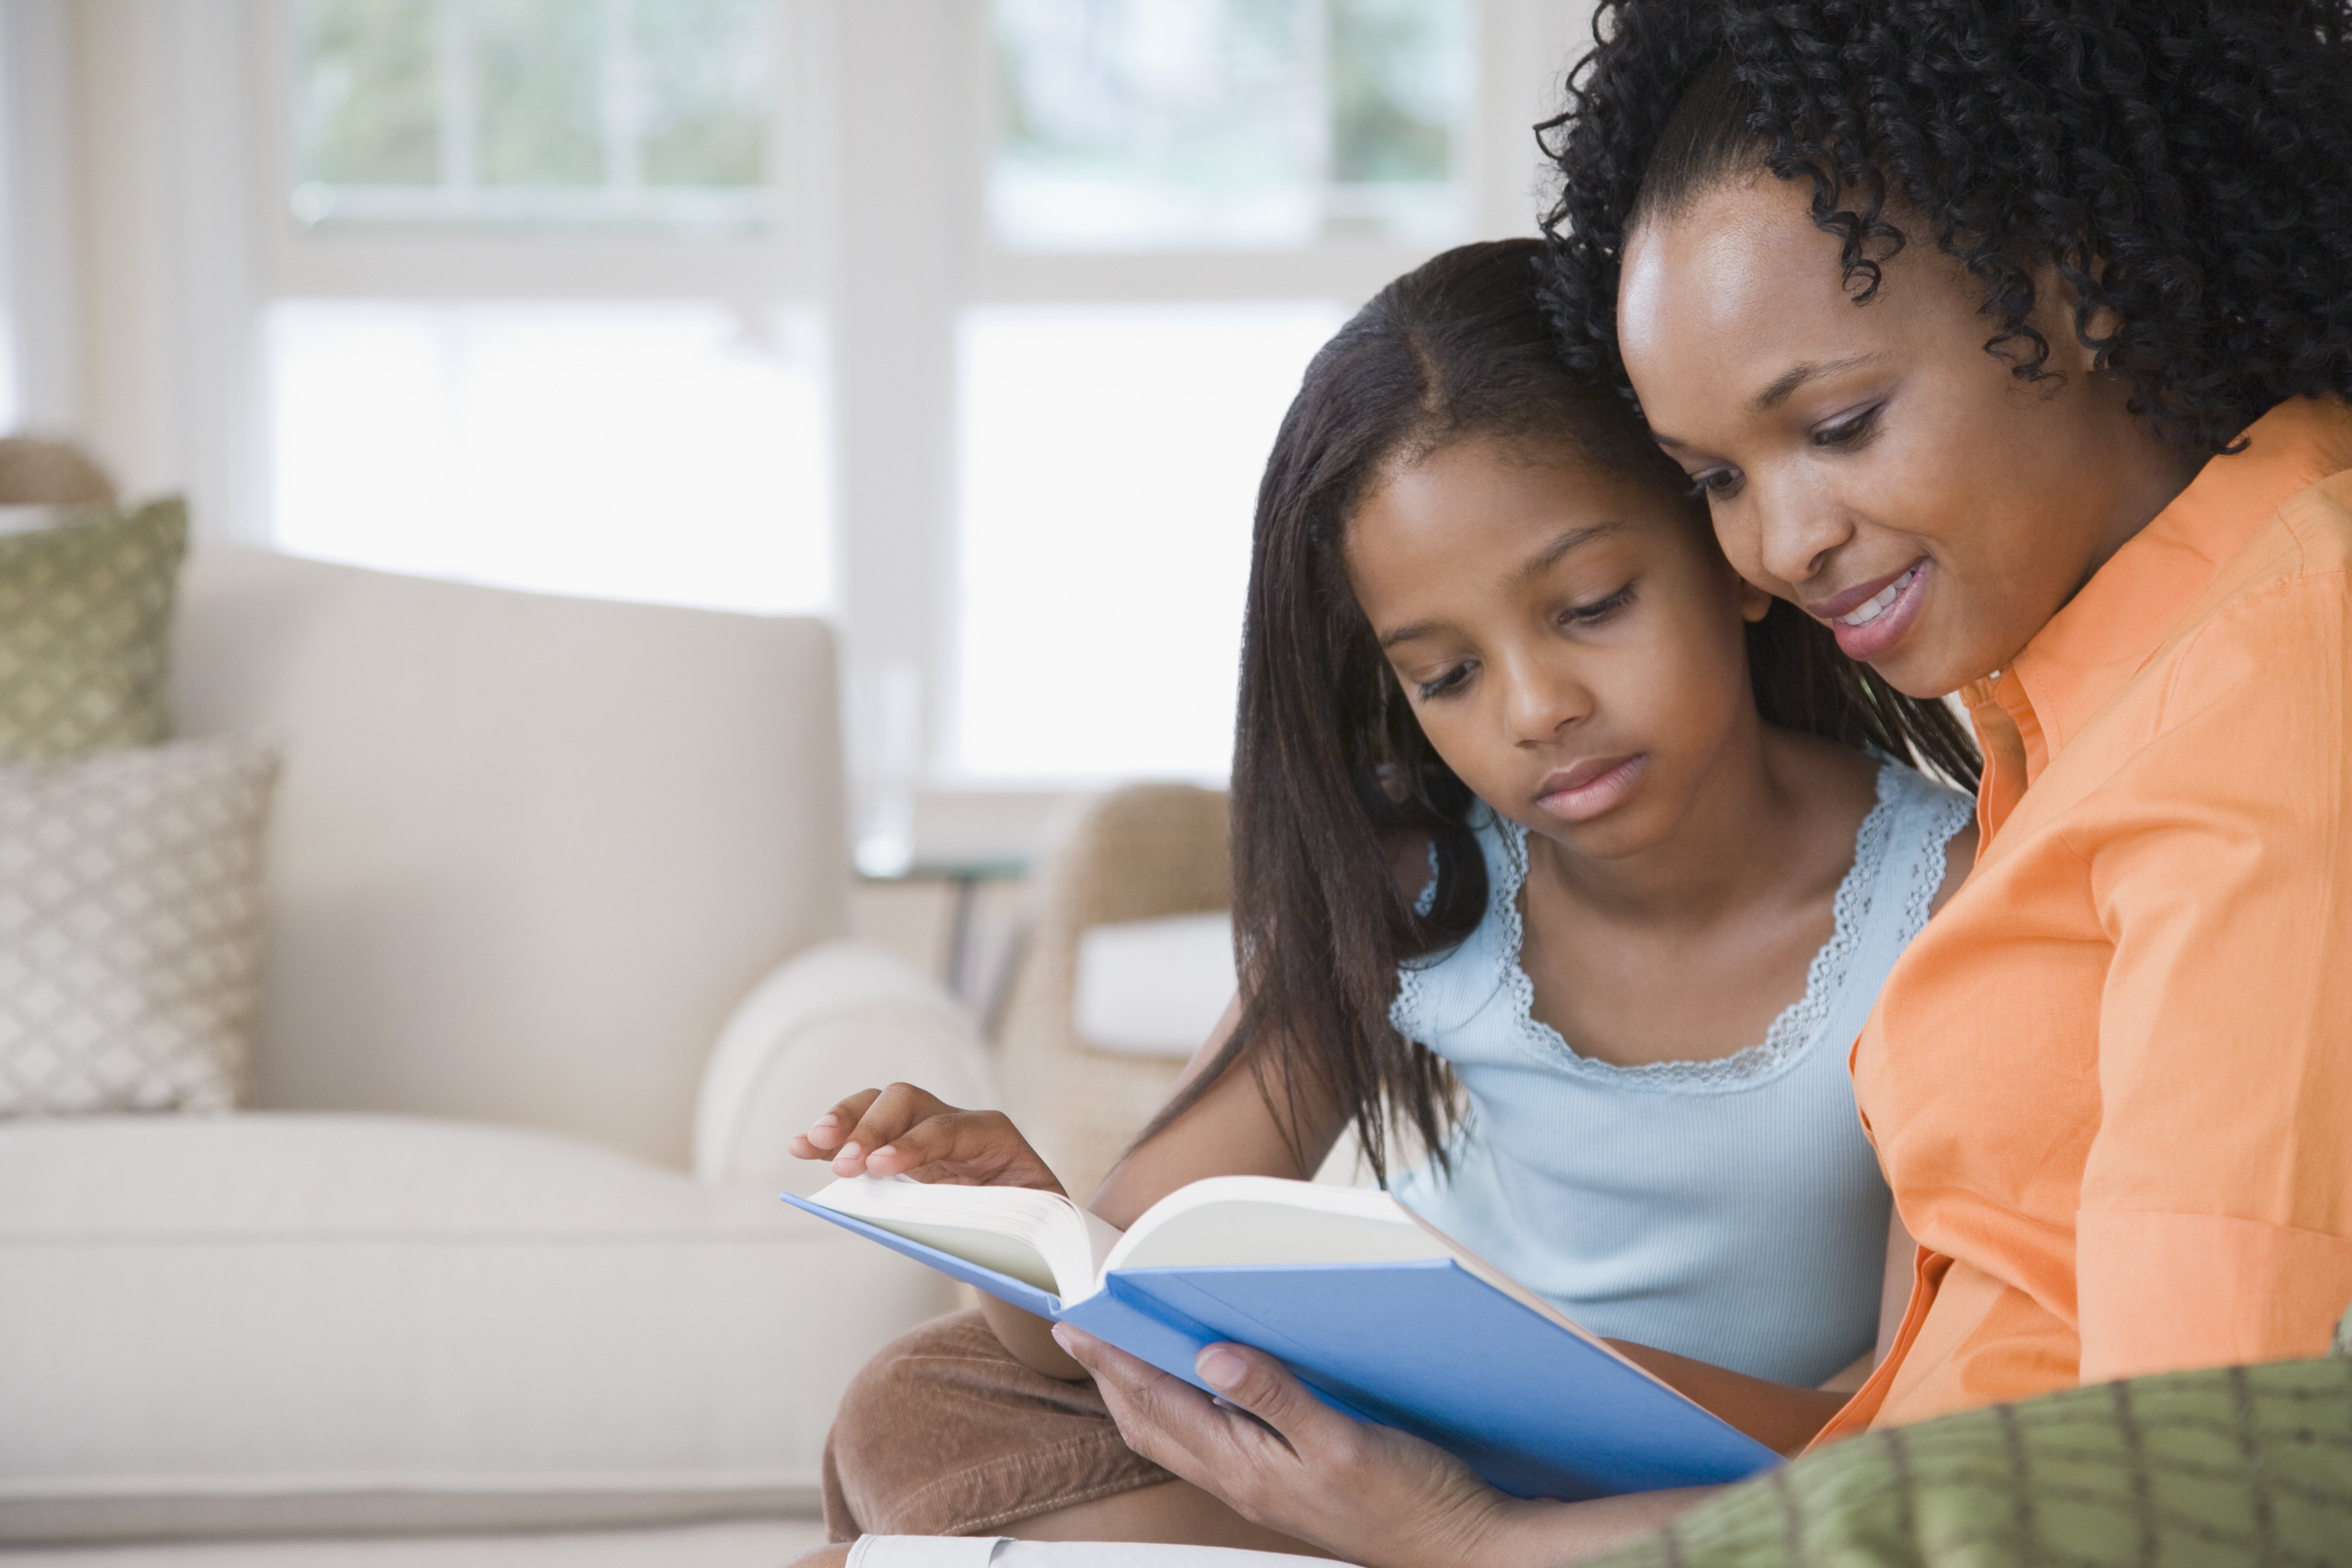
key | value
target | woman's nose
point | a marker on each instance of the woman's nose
(1795, 529)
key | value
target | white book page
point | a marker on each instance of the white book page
(1233, 1221)
(1041, 1239)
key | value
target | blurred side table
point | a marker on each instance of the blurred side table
(975, 962)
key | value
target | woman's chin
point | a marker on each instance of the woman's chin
(1918, 668)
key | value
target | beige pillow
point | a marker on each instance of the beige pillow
(131, 928)
(85, 630)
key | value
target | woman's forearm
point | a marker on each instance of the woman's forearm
(1782, 1419)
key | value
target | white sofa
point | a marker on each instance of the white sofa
(556, 893)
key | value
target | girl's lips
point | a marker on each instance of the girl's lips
(1590, 797)
(1889, 617)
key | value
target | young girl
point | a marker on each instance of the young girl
(2012, 344)
(1533, 796)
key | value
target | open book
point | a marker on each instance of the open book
(1378, 1315)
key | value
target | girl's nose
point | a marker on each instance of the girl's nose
(1542, 700)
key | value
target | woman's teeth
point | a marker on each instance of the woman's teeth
(1877, 604)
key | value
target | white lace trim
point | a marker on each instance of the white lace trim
(1783, 1044)
(1952, 812)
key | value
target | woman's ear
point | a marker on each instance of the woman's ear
(2056, 302)
(1754, 602)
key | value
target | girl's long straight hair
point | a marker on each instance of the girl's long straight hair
(1330, 765)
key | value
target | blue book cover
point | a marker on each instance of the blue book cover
(1381, 1317)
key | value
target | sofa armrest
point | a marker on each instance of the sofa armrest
(838, 1017)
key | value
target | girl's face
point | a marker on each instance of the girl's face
(1873, 463)
(1570, 639)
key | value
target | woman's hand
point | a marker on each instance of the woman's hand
(902, 1131)
(1280, 1458)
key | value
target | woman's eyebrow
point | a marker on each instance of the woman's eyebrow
(1797, 375)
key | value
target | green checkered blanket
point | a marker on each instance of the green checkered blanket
(2241, 1465)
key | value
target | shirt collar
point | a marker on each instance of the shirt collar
(2025, 715)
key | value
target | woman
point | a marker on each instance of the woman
(2012, 343)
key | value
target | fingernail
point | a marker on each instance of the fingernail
(828, 1120)
(1062, 1335)
(1221, 1368)
(848, 1152)
(885, 1149)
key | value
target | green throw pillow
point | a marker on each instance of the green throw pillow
(85, 630)
(2241, 1465)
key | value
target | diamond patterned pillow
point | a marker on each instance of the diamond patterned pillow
(131, 926)
(84, 623)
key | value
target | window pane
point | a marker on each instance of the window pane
(1110, 461)
(703, 94)
(535, 70)
(673, 452)
(532, 112)
(1170, 124)
(367, 108)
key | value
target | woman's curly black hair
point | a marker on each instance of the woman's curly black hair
(2186, 164)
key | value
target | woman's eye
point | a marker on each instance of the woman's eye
(1851, 432)
(1449, 682)
(1715, 484)
(1599, 609)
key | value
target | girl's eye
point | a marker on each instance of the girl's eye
(1715, 484)
(1449, 682)
(1848, 432)
(1599, 609)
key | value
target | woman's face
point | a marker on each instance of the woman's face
(1569, 639)
(1873, 463)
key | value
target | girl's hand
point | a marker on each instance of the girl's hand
(1280, 1458)
(902, 1131)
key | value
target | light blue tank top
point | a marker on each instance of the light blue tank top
(1729, 1210)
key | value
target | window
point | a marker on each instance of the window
(1184, 199)
(966, 323)
(535, 320)
(1108, 464)
(531, 111)
(667, 452)
(1203, 124)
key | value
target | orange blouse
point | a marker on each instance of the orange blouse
(2111, 1082)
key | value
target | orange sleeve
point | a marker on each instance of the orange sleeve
(2216, 1219)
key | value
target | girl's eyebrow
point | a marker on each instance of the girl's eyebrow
(1543, 560)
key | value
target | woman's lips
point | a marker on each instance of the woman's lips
(1586, 790)
(1869, 629)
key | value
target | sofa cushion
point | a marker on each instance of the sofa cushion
(131, 926)
(287, 1323)
(84, 623)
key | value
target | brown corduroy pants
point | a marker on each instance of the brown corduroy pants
(944, 1433)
